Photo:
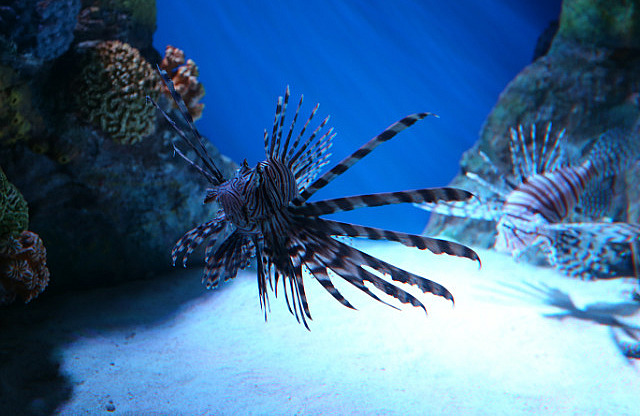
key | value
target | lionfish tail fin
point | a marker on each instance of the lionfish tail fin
(196, 141)
(364, 150)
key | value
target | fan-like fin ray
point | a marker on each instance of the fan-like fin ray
(367, 148)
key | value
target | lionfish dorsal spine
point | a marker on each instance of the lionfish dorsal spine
(364, 150)
(196, 143)
(285, 148)
(301, 133)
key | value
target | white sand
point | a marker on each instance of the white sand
(158, 350)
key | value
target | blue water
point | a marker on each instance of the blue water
(369, 63)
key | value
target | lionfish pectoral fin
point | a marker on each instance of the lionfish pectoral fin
(630, 349)
(351, 264)
(319, 272)
(364, 150)
(435, 245)
(192, 239)
(427, 195)
(233, 254)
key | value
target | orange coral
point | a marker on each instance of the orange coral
(185, 79)
(23, 267)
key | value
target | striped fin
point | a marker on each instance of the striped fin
(367, 148)
(528, 157)
(330, 206)
(434, 245)
(319, 272)
(195, 237)
(602, 232)
(340, 261)
(233, 254)
(628, 348)
(476, 208)
(347, 262)
(196, 143)
(586, 250)
(614, 151)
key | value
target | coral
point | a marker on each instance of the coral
(185, 79)
(14, 216)
(23, 267)
(43, 29)
(18, 119)
(112, 88)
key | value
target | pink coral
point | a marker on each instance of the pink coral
(23, 267)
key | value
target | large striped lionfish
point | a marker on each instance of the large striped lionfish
(265, 214)
(532, 207)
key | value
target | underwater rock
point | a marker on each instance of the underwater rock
(587, 83)
(129, 21)
(37, 30)
(19, 120)
(599, 23)
(112, 212)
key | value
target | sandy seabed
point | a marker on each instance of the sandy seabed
(169, 347)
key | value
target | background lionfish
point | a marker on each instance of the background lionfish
(531, 209)
(264, 213)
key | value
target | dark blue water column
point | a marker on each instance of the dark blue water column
(368, 63)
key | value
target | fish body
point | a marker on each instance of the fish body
(265, 213)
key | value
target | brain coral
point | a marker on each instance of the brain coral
(23, 267)
(112, 88)
(185, 79)
(14, 215)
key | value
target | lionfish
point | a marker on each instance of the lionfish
(265, 214)
(532, 207)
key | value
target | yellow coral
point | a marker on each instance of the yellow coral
(112, 89)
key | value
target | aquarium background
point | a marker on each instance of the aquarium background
(368, 63)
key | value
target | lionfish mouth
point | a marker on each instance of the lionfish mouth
(266, 215)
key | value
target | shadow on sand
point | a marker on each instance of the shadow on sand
(31, 382)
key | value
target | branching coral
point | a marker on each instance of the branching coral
(185, 79)
(14, 216)
(112, 88)
(23, 267)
